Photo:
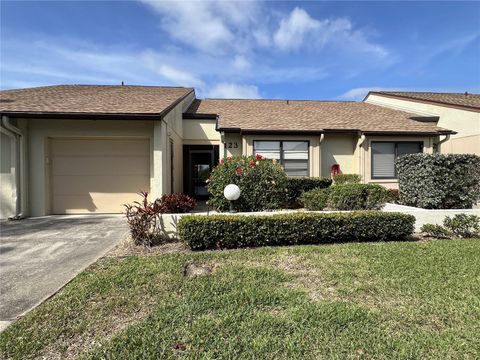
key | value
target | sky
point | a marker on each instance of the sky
(246, 49)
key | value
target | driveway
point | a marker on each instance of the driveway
(40, 255)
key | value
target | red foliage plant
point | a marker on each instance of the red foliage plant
(144, 217)
(177, 203)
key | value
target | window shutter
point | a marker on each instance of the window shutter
(383, 160)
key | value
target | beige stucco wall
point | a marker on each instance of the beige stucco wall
(200, 132)
(465, 123)
(337, 149)
(170, 129)
(7, 177)
(232, 145)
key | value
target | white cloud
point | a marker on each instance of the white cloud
(293, 29)
(234, 91)
(179, 77)
(299, 29)
(241, 63)
(210, 26)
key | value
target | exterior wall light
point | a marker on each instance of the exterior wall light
(232, 192)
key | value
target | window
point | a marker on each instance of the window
(385, 153)
(293, 155)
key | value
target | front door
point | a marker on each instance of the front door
(198, 163)
(201, 166)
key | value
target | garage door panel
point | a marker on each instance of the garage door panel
(91, 203)
(100, 165)
(79, 185)
(94, 147)
(97, 175)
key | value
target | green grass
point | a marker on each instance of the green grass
(409, 300)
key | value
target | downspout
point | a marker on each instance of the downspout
(447, 137)
(360, 142)
(19, 167)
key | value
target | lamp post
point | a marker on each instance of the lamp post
(232, 192)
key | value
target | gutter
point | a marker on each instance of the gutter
(19, 140)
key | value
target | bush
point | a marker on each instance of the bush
(463, 225)
(439, 181)
(144, 220)
(263, 183)
(436, 231)
(236, 231)
(346, 179)
(346, 197)
(393, 196)
(176, 203)
(316, 199)
(297, 186)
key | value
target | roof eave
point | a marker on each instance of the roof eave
(407, 98)
(81, 116)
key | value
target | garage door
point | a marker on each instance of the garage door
(97, 175)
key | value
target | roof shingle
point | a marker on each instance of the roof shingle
(295, 115)
(91, 99)
(456, 99)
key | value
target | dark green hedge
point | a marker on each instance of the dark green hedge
(439, 181)
(202, 232)
(297, 186)
(346, 179)
(346, 197)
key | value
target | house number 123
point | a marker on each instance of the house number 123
(231, 145)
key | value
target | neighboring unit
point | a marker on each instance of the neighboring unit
(89, 149)
(459, 112)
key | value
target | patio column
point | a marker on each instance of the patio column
(158, 180)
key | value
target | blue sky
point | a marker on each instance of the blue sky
(249, 49)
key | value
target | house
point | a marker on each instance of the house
(459, 112)
(89, 149)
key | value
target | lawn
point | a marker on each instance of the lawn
(409, 300)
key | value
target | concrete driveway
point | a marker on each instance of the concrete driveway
(40, 255)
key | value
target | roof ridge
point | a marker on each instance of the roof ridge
(425, 92)
(299, 100)
(100, 85)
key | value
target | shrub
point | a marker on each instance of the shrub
(297, 186)
(316, 199)
(434, 230)
(176, 203)
(439, 181)
(393, 196)
(463, 225)
(144, 219)
(262, 182)
(236, 231)
(346, 179)
(356, 197)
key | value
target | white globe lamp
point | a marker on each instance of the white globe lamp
(232, 192)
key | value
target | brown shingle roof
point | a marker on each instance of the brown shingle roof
(91, 99)
(314, 116)
(466, 100)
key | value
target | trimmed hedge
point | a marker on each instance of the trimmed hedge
(346, 197)
(346, 179)
(439, 181)
(316, 199)
(297, 186)
(202, 232)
